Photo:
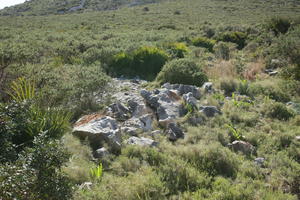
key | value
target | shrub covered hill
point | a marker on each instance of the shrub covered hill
(46, 7)
(194, 99)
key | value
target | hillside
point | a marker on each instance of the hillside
(46, 7)
(187, 100)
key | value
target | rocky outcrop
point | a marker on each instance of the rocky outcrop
(135, 110)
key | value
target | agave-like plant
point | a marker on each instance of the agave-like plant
(21, 90)
(96, 172)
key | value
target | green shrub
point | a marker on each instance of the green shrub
(36, 174)
(278, 25)
(238, 38)
(229, 87)
(204, 42)
(143, 184)
(145, 62)
(279, 111)
(272, 91)
(213, 159)
(222, 50)
(177, 49)
(288, 45)
(180, 176)
(182, 71)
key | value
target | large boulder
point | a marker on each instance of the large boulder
(99, 129)
(141, 141)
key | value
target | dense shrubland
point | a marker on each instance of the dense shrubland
(54, 69)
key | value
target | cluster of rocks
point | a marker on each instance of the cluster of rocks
(135, 110)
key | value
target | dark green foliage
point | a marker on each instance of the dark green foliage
(23, 121)
(238, 38)
(36, 175)
(222, 50)
(177, 49)
(279, 111)
(229, 87)
(279, 25)
(289, 45)
(204, 42)
(213, 159)
(272, 91)
(182, 71)
(145, 62)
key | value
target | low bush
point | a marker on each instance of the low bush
(236, 37)
(36, 174)
(204, 42)
(177, 49)
(182, 71)
(145, 62)
(213, 159)
(229, 86)
(279, 25)
(222, 50)
(268, 89)
(279, 111)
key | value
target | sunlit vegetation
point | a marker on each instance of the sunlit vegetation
(56, 66)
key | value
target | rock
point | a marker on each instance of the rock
(183, 89)
(132, 131)
(118, 111)
(141, 141)
(98, 129)
(101, 153)
(190, 100)
(174, 132)
(86, 186)
(208, 87)
(210, 111)
(137, 108)
(135, 125)
(156, 132)
(242, 146)
(147, 122)
(271, 72)
(259, 161)
(165, 104)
